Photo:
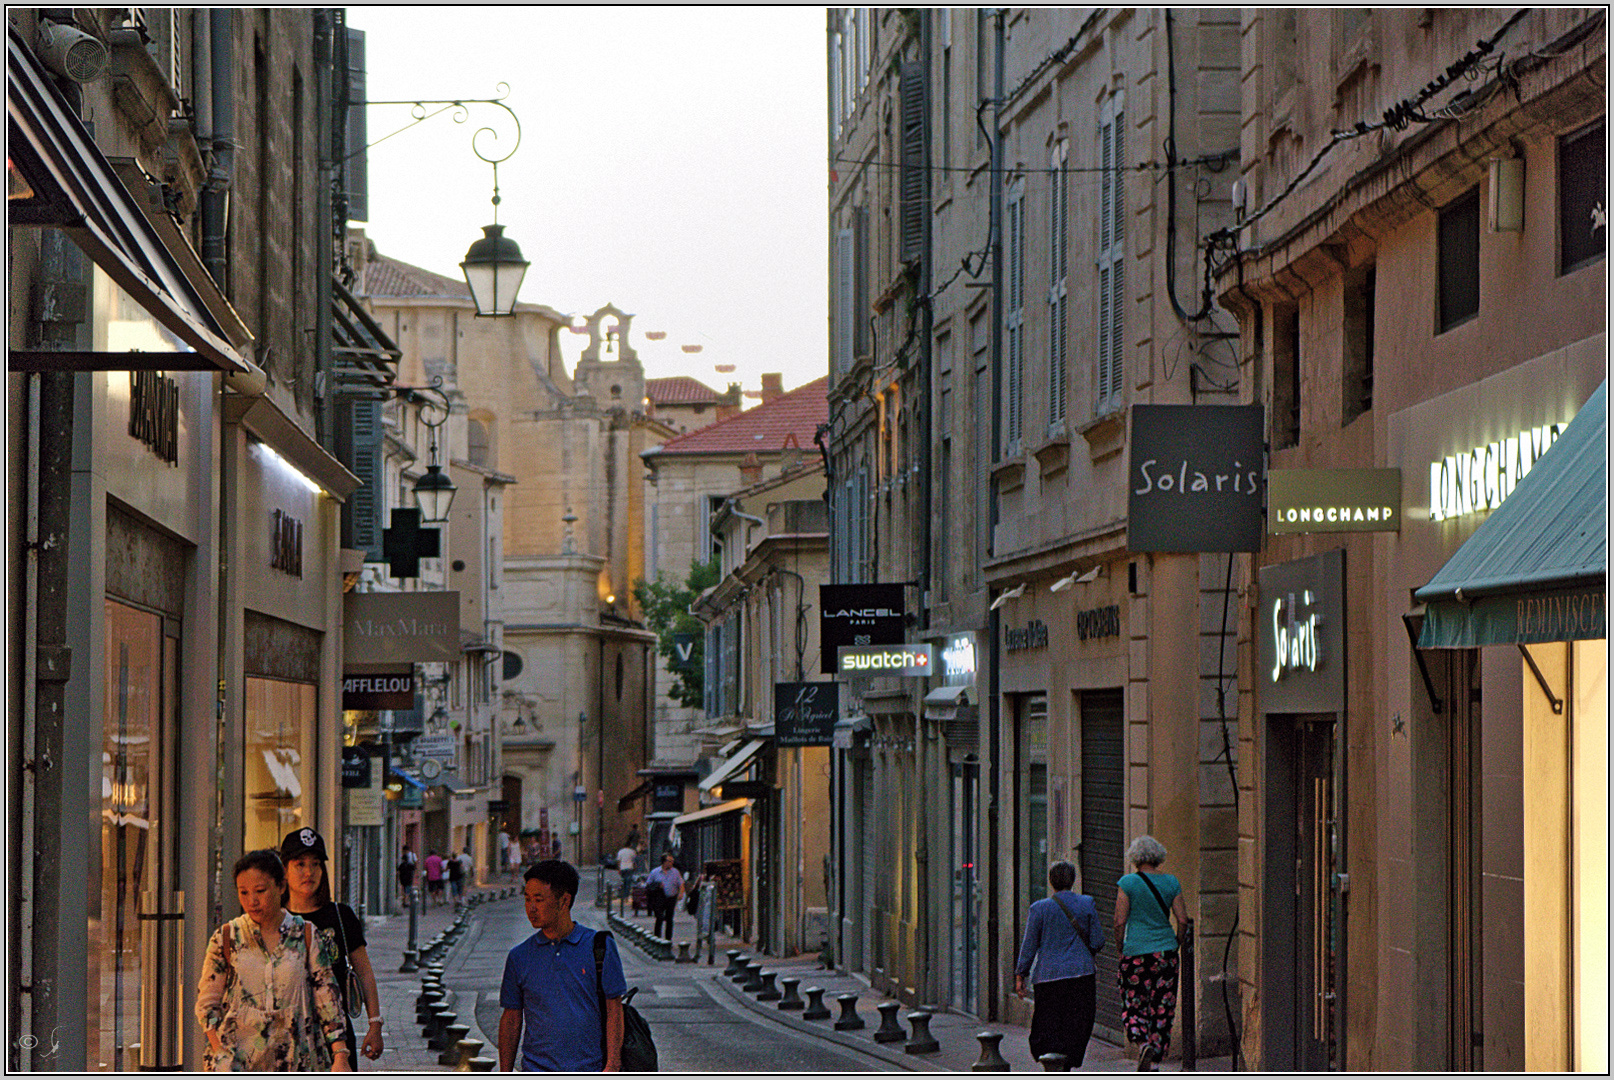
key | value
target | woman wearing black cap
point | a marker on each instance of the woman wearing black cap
(308, 893)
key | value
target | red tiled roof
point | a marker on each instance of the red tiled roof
(389, 277)
(679, 390)
(762, 429)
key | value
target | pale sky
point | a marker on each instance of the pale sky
(672, 162)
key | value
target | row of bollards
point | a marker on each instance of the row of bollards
(416, 958)
(753, 980)
(658, 948)
(439, 1024)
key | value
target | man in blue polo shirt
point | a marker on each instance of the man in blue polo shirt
(549, 987)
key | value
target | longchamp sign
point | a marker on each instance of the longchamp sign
(401, 628)
(1333, 500)
(1196, 478)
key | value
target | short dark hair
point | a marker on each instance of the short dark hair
(556, 873)
(264, 859)
(1061, 875)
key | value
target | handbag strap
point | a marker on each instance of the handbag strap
(227, 948)
(599, 980)
(1164, 907)
(1074, 925)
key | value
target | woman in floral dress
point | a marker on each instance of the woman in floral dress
(1146, 903)
(265, 1003)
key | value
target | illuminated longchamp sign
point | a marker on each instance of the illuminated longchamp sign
(1484, 476)
(1333, 500)
(887, 660)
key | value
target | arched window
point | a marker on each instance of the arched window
(478, 449)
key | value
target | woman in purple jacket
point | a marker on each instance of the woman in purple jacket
(1062, 934)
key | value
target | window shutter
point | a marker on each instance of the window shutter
(1111, 256)
(913, 160)
(1014, 323)
(844, 282)
(364, 508)
(1058, 263)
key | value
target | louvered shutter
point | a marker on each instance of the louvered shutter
(1015, 322)
(845, 275)
(913, 160)
(1058, 263)
(1111, 266)
(355, 165)
(362, 511)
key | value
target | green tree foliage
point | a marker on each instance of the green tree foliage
(665, 604)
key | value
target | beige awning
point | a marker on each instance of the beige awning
(732, 765)
(731, 807)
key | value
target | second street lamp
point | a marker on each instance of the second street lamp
(493, 269)
(434, 494)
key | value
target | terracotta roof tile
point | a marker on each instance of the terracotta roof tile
(679, 390)
(762, 429)
(390, 277)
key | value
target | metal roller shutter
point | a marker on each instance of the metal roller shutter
(1103, 839)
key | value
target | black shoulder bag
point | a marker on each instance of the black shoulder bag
(1165, 907)
(1074, 925)
(638, 1048)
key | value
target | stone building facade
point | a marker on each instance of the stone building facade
(1421, 271)
(978, 451)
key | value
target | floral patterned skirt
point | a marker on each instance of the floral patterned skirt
(1149, 998)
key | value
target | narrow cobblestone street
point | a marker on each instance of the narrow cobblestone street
(702, 1021)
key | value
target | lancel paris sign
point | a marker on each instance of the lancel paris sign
(1481, 478)
(1333, 500)
(1196, 478)
(857, 615)
(1301, 635)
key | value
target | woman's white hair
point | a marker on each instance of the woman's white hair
(1146, 851)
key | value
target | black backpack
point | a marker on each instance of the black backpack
(638, 1048)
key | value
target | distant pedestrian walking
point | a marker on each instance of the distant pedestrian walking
(434, 876)
(1062, 934)
(662, 889)
(456, 879)
(554, 1016)
(268, 1000)
(468, 868)
(1146, 902)
(407, 865)
(626, 857)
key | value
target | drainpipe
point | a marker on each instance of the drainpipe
(933, 963)
(23, 749)
(202, 86)
(994, 711)
(326, 228)
(221, 176)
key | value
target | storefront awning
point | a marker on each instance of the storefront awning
(1536, 569)
(639, 792)
(408, 779)
(733, 806)
(73, 187)
(732, 765)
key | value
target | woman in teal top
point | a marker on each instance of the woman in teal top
(1145, 904)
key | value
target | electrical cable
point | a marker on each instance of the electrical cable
(1232, 773)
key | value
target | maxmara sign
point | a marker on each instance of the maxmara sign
(1484, 476)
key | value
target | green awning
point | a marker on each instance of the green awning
(1536, 569)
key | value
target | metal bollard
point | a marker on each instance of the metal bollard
(1188, 981)
(683, 953)
(424, 1003)
(816, 1009)
(850, 1020)
(753, 983)
(451, 1041)
(791, 1000)
(769, 992)
(1052, 1062)
(890, 1030)
(738, 964)
(464, 1051)
(923, 1042)
(990, 1060)
(482, 1064)
(433, 1011)
(734, 956)
(435, 1029)
(409, 965)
